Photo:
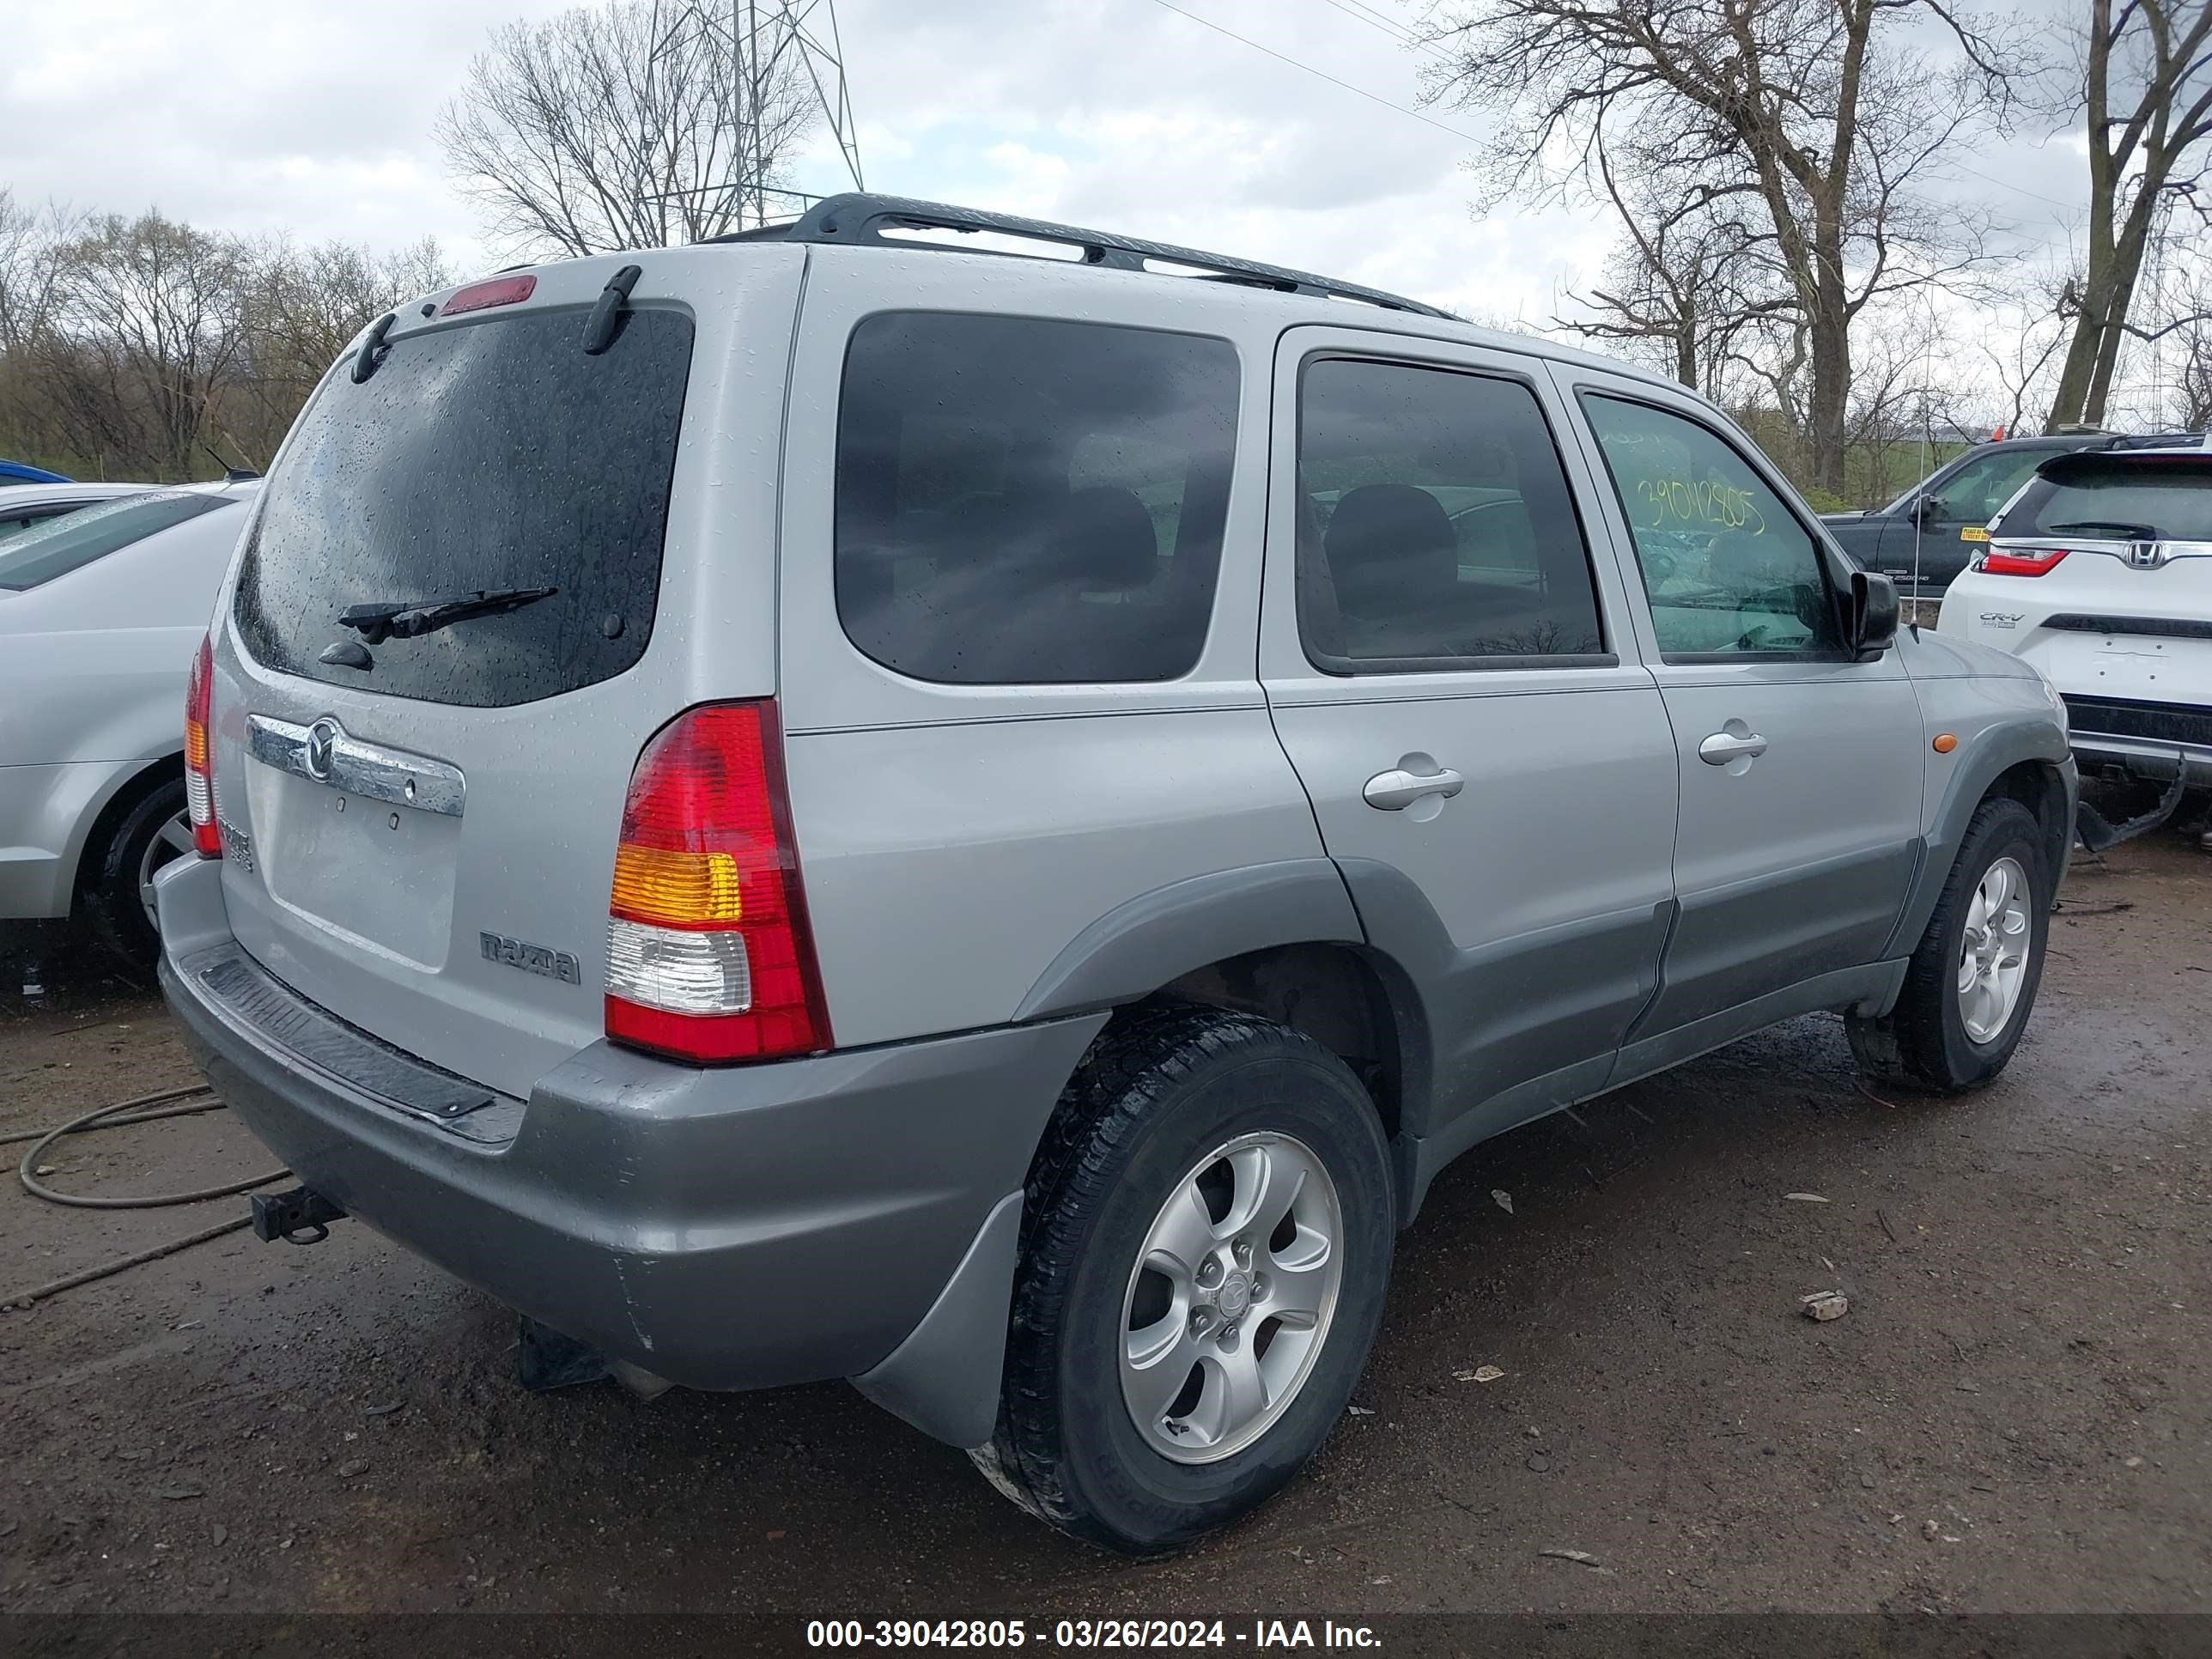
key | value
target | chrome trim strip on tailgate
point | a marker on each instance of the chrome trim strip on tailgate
(323, 753)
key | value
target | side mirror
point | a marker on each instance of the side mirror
(1873, 615)
(1927, 508)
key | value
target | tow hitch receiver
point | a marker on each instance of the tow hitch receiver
(299, 1217)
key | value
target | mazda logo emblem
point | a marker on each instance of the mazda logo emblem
(322, 738)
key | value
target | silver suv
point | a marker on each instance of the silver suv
(830, 807)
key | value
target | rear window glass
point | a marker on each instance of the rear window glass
(2143, 500)
(54, 547)
(487, 458)
(1025, 502)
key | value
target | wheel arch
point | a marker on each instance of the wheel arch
(1281, 940)
(99, 826)
(2027, 760)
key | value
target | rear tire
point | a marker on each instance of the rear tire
(1175, 1105)
(144, 840)
(1947, 1035)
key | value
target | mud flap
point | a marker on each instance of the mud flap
(2097, 833)
(545, 1359)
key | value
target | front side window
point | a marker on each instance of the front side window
(1975, 492)
(54, 547)
(1437, 529)
(1027, 502)
(1729, 569)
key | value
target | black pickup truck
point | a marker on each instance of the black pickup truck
(1945, 514)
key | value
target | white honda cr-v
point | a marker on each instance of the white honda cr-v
(2099, 572)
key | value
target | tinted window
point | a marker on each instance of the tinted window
(493, 455)
(1437, 527)
(1973, 493)
(1022, 501)
(2145, 499)
(54, 547)
(1728, 567)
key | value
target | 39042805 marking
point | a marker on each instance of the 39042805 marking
(916, 1633)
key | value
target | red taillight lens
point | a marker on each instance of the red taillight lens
(709, 956)
(482, 296)
(2039, 563)
(199, 768)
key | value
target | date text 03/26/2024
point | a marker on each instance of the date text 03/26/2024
(1261, 1634)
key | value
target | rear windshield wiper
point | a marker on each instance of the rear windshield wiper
(2134, 532)
(404, 619)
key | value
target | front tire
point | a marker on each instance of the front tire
(1973, 977)
(1206, 1239)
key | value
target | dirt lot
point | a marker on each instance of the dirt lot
(2016, 1415)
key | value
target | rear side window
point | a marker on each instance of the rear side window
(490, 457)
(1026, 501)
(54, 547)
(2143, 498)
(1437, 529)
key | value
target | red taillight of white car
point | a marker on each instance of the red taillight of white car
(199, 768)
(709, 956)
(2041, 563)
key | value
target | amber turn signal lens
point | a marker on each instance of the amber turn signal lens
(685, 889)
(1945, 744)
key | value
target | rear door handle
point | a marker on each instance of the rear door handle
(1397, 789)
(1723, 747)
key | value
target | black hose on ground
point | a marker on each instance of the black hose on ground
(94, 1120)
(142, 1108)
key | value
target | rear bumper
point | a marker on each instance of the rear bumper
(733, 1228)
(2142, 739)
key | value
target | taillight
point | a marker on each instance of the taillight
(709, 956)
(199, 769)
(2021, 564)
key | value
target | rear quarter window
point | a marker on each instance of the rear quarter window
(1025, 502)
(491, 455)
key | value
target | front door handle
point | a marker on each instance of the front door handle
(1397, 789)
(1724, 746)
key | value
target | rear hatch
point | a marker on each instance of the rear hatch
(420, 803)
(2110, 557)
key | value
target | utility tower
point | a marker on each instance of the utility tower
(770, 41)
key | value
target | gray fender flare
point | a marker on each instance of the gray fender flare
(1993, 752)
(1144, 942)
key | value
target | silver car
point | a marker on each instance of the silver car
(99, 611)
(822, 806)
(22, 505)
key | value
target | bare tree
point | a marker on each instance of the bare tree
(1816, 115)
(148, 322)
(31, 240)
(2160, 54)
(1688, 281)
(2021, 343)
(2193, 386)
(634, 124)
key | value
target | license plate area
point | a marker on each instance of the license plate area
(379, 873)
(2116, 664)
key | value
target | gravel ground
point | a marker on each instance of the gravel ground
(2016, 1415)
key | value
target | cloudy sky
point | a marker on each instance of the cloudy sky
(314, 118)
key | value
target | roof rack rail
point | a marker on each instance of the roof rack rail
(860, 218)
